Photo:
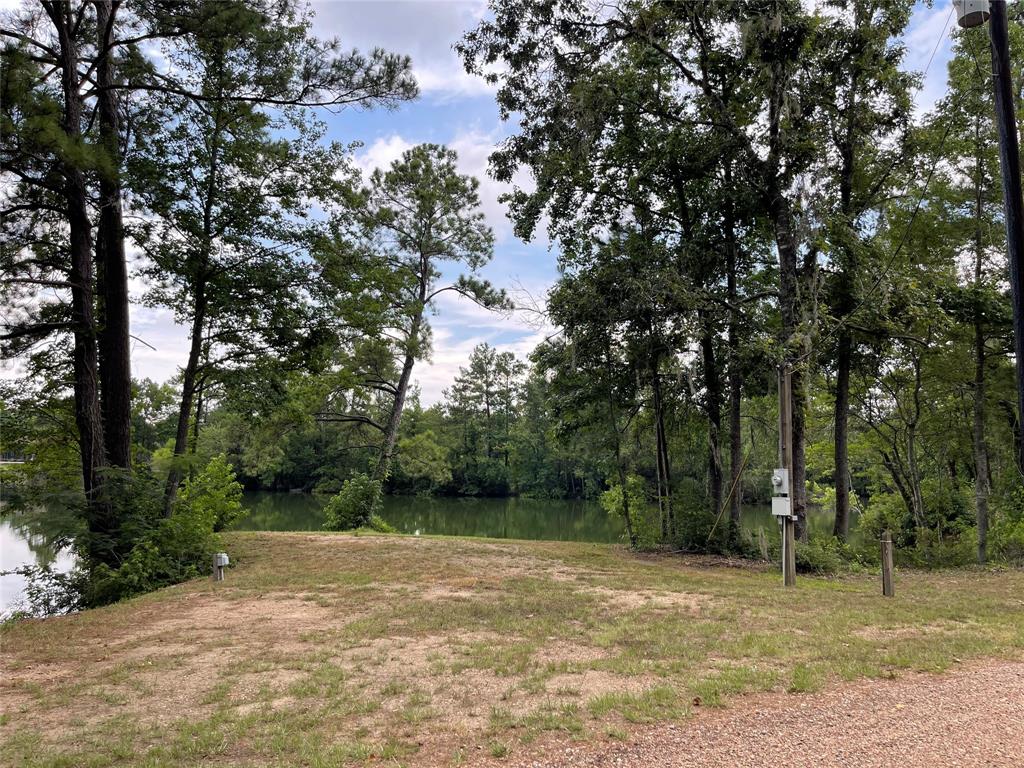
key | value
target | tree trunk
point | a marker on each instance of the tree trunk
(188, 389)
(101, 548)
(387, 448)
(735, 375)
(713, 388)
(844, 352)
(112, 268)
(979, 446)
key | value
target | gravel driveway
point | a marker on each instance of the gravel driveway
(973, 716)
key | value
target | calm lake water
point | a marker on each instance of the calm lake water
(21, 543)
(512, 518)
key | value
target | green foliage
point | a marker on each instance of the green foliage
(820, 555)
(423, 461)
(380, 525)
(47, 592)
(885, 512)
(214, 492)
(1007, 533)
(642, 516)
(355, 505)
(172, 549)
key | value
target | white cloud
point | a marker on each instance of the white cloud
(382, 153)
(424, 30)
(459, 326)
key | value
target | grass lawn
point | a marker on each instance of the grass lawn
(329, 649)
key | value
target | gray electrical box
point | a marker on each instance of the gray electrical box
(781, 504)
(220, 562)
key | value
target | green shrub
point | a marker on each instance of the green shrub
(176, 548)
(823, 556)
(380, 525)
(885, 512)
(216, 491)
(643, 517)
(355, 505)
(1007, 533)
(934, 550)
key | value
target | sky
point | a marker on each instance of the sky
(457, 109)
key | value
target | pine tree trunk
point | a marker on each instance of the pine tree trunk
(188, 389)
(112, 267)
(88, 415)
(387, 448)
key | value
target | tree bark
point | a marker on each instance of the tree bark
(387, 448)
(980, 449)
(88, 415)
(735, 375)
(112, 268)
(188, 389)
(713, 388)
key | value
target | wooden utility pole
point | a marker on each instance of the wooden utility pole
(1009, 167)
(786, 464)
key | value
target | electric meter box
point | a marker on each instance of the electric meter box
(781, 506)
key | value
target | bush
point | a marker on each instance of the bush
(645, 525)
(885, 511)
(177, 548)
(1007, 532)
(933, 550)
(47, 592)
(216, 491)
(355, 505)
(380, 525)
(822, 556)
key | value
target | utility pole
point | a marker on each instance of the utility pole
(973, 13)
(782, 478)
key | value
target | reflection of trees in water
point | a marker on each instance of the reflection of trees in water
(512, 518)
(518, 518)
(47, 530)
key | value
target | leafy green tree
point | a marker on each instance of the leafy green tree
(410, 220)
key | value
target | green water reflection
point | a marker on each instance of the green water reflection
(512, 518)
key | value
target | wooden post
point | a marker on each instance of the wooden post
(786, 462)
(887, 584)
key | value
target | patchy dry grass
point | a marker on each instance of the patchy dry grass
(331, 649)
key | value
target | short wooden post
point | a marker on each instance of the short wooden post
(887, 584)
